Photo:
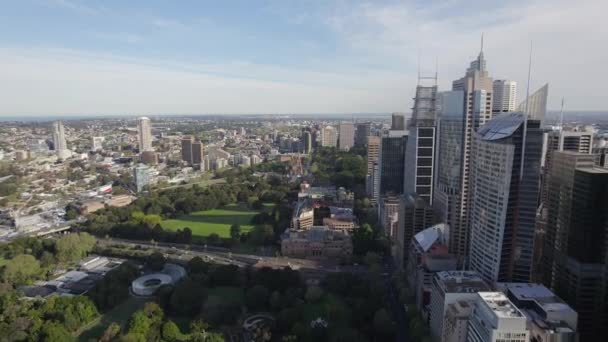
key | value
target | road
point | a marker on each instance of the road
(225, 256)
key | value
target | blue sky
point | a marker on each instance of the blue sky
(188, 57)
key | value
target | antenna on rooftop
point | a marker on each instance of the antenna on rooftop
(529, 76)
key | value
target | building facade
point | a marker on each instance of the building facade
(391, 162)
(505, 94)
(505, 187)
(329, 136)
(496, 319)
(421, 149)
(316, 243)
(144, 130)
(362, 132)
(346, 136)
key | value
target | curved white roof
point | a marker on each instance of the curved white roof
(427, 237)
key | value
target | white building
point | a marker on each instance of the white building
(450, 287)
(59, 142)
(496, 319)
(347, 135)
(329, 136)
(549, 319)
(144, 130)
(505, 93)
(97, 143)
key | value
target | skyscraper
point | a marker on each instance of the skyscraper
(447, 194)
(504, 92)
(197, 153)
(453, 190)
(187, 149)
(391, 162)
(347, 136)
(141, 176)
(329, 136)
(420, 152)
(506, 155)
(59, 143)
(535, 105)
(306, 142)
(398, 121)
(144, 134)
(362, 132)
(574, 256)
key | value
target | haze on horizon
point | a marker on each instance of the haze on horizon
(75, 57)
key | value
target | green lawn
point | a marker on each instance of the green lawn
(119, 314)
(204, 223)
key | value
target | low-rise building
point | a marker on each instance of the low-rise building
(456, 321)
(316, 242)
(450, 287)
(496, 319)
(549, 318)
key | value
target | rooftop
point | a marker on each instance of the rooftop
(461, 282)
(502, 126)
(500, 304)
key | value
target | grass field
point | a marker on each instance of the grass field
(218, 221)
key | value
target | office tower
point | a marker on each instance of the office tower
(306, 142)
(197, 153)
(416, 215)
(506, 156)
(97, 143)
(141, 176)
(347, 136)
(450, 153)
(391, 162)
(535, 105)
(374, 183)
(144, 134)
(329, 136)
(398, 122)
(451, 287)
(600, 148)
(373, 152)
(187, 149)
(504, 93)
(574, 256)
(59, 143)
(148, 157)
(458, 126)
(362, 132)
(420, 151)
(495, 318)
(548, 317)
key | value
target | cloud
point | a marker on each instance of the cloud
(167, 23)
(567, 38)
(69, 82)
(127, 38)
(76, 6)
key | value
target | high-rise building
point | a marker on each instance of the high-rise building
(421, 148)
(451, 287)
(388, 214)
(373, 152)
(141, 176)
(197, 153)
(504, 93)
(450, 150)
(574, 256)
(187, 149)
(391, 161)
(347, 136)
(535, 105)
(144, 130)
(329, 136)
(398, 122)
(416, 215)
(462, 111)
(506, 156)
(362, 132)
(97, 143)
(59, 142)
(306, 142)
(496, 319)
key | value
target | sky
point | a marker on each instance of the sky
(161, 57)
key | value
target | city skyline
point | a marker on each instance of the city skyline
(315, 57)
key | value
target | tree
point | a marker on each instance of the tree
(213, 239)
(140, 324)
(156, 261)
(196, 265)
(110, 333)
(171, 332)
(54, 332)
(383, 324)
(235, 231)
(187, 298)
(257, 297)
(21, 269)
(313, 294)
(72, 247)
